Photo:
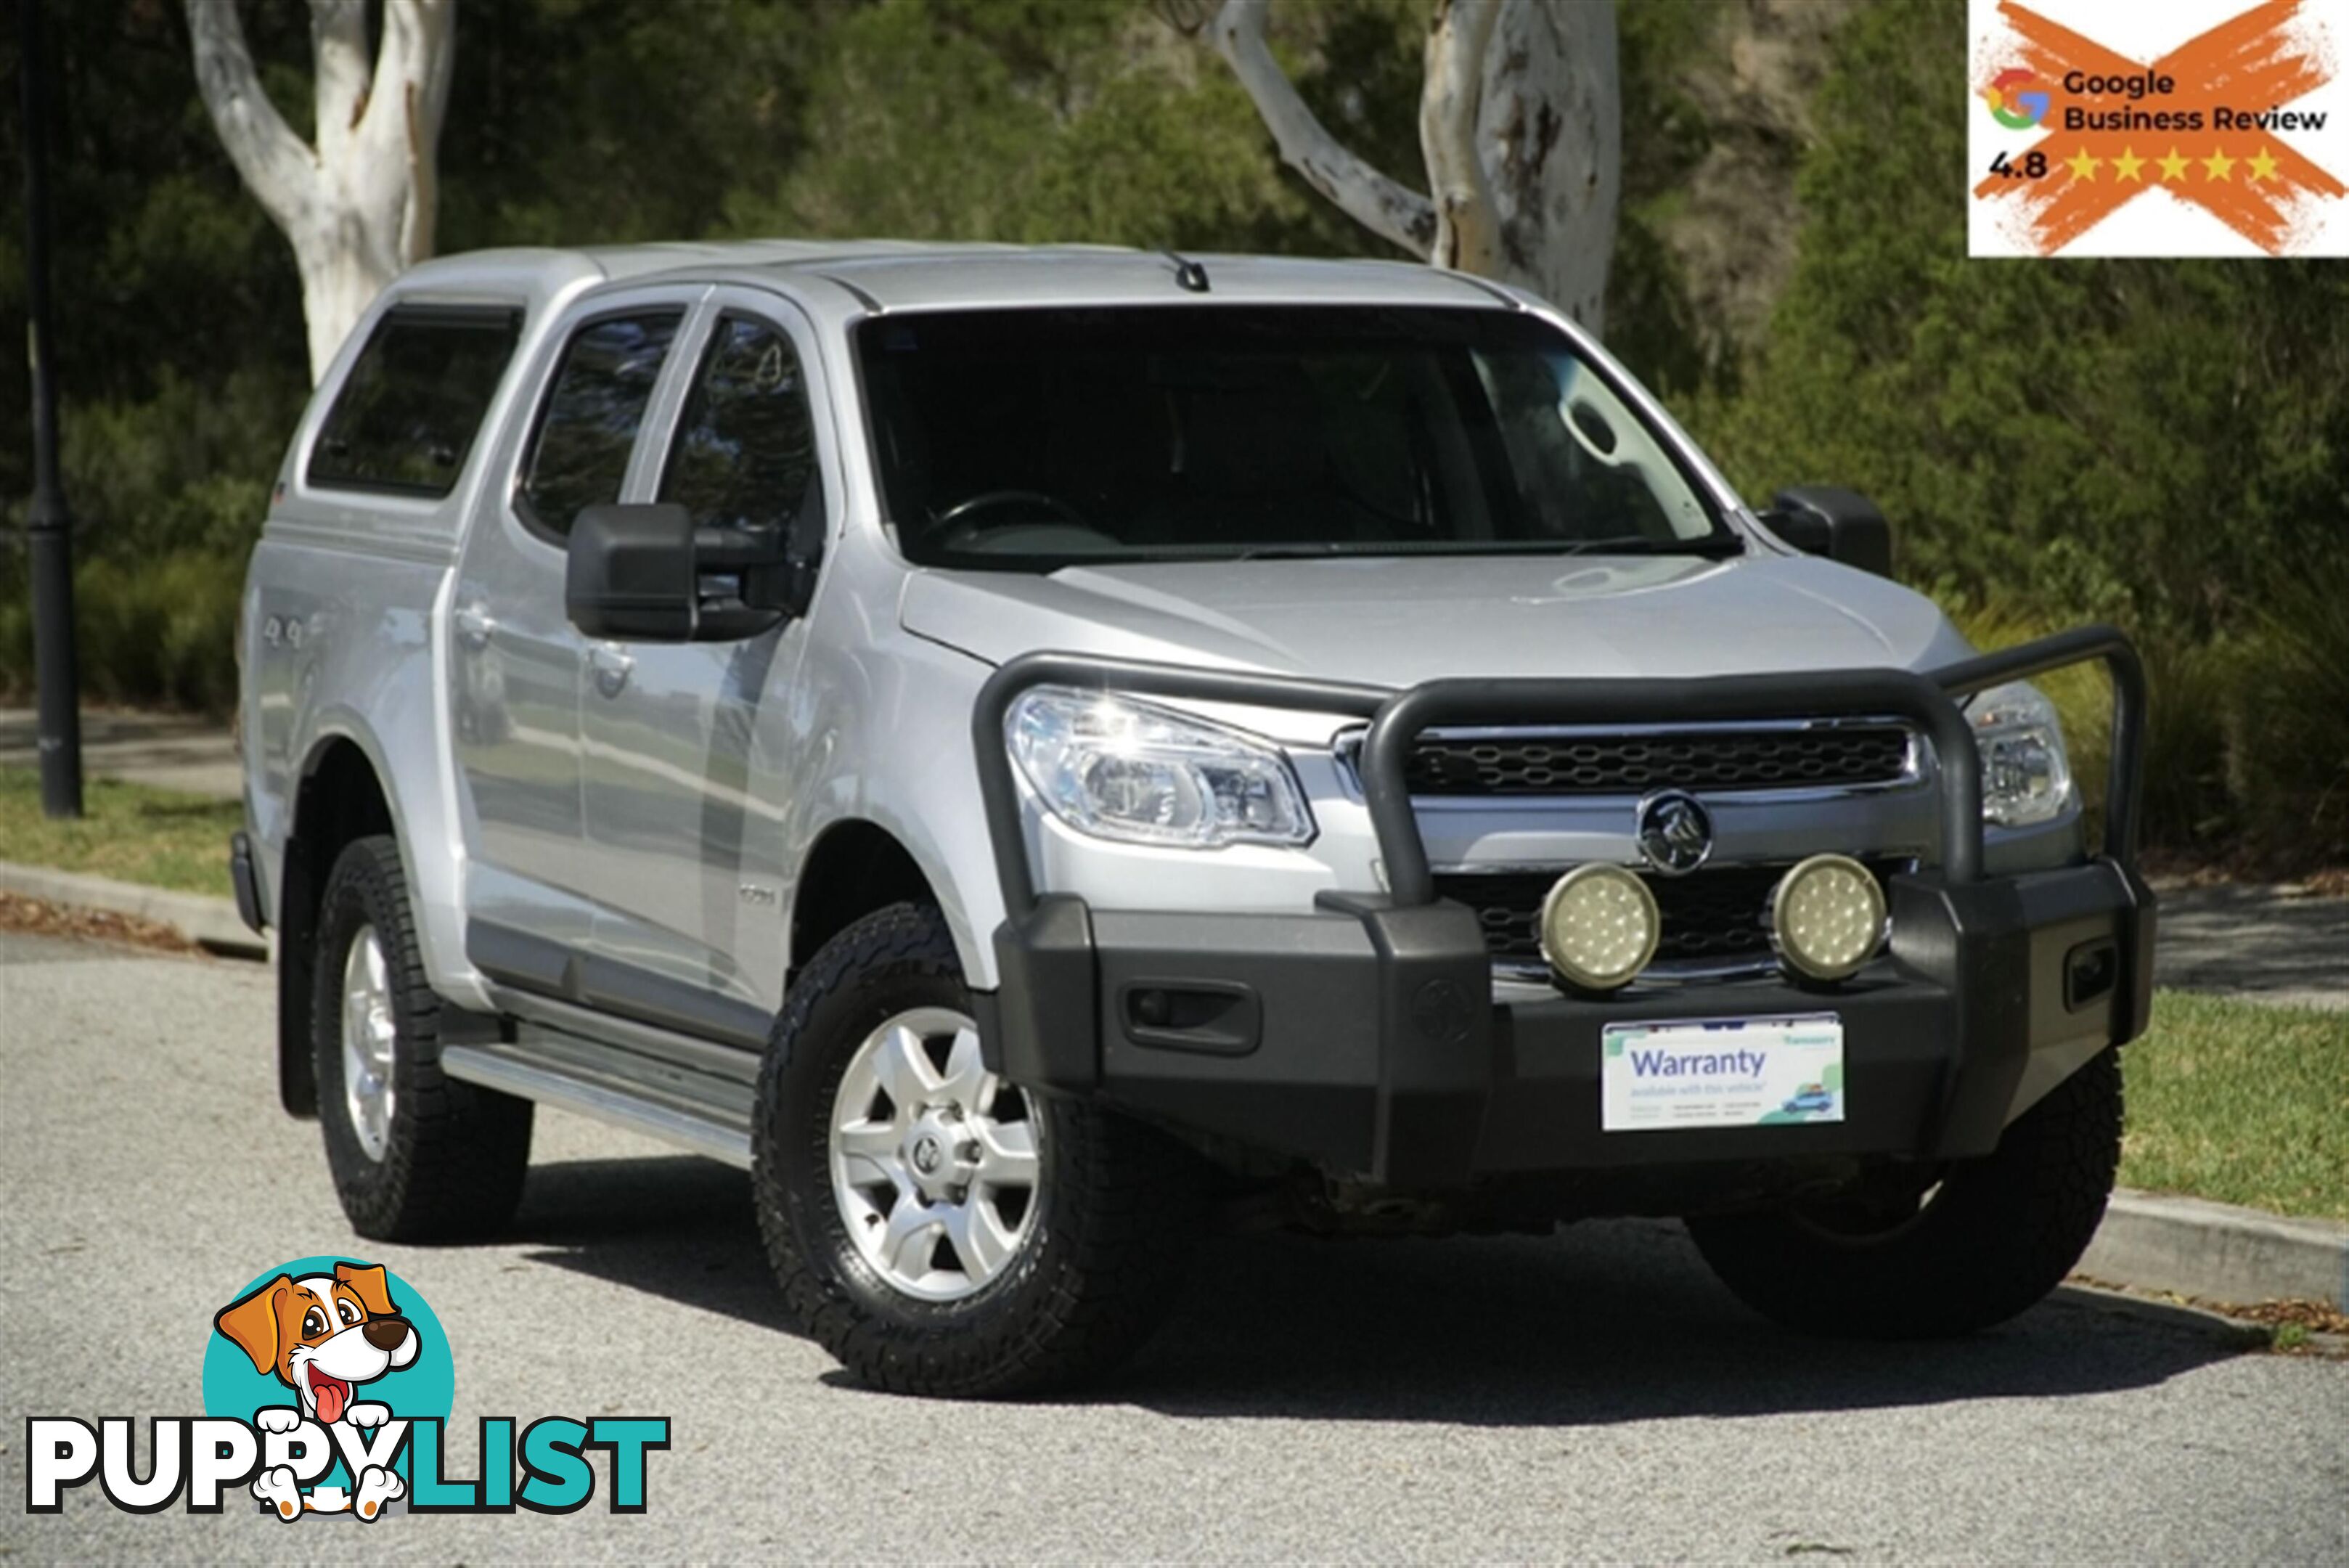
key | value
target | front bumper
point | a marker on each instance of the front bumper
(1365, 1037)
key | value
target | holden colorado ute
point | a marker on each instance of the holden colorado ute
(1027, 751)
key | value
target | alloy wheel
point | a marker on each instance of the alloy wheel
(936, 1162)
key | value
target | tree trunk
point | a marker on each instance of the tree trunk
(1550, 128)
(358, 207)
(1394, 213)
(1467, 224)
(1520, 123)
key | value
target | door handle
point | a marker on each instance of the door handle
(474, 625)
(612, 667)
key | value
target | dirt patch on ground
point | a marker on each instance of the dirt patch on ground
(2294, 1327)
(36, 917)
(2314, 1316)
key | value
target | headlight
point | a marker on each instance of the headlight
(1119, 769)
(2026, 776)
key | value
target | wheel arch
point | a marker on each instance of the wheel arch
(339, 796)
(853, 867)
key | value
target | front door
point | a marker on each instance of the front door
(516, 663)
(685, 828)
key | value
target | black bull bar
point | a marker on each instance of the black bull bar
(1390, 1056)
(1397, 719)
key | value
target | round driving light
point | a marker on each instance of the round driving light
(1828, 917)
(1599, 926)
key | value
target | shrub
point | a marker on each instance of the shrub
(2247, 744)
(2287, 724)
(156, 633)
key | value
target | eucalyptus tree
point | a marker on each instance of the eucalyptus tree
(1520, 128)
(358, 201)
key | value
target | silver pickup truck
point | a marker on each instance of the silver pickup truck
(1036, 752)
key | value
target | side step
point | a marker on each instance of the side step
(703, 1104)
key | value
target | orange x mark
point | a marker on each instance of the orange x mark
(2251, 62)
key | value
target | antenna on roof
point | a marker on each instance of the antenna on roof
(1189, 273)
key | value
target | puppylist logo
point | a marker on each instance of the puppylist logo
(327, 1387)
(332, 1340)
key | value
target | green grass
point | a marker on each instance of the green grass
(2241, 1103)
(132, 833)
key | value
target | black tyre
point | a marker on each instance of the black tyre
(958, 1237)
(416, 1155)
(1989, 1242)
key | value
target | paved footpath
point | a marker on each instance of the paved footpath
(2255, 941)
(169, 751)
(1595, 1396)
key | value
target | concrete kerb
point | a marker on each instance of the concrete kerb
(210, 923)
(2218, 1253)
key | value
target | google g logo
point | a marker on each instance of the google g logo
(2015, 99)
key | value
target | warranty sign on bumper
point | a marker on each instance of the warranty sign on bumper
(1720, 1073)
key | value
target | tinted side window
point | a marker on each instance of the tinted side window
(580, 453)
(407, 413)
(745, 450)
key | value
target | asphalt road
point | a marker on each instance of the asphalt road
(1591, 1396)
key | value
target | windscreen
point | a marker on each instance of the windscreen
(1029, 439)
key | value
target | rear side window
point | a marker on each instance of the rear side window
(580, 453)
(745, 449)
(407, 413)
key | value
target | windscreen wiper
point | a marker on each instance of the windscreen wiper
(1712, 546)
(1295, 551)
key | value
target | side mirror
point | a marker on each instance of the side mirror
(1841, 525)
(628, 574)
(641, 573)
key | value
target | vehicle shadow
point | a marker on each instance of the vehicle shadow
(1607, 1322)
(676, 1226)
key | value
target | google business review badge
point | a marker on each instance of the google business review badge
(2193, 127)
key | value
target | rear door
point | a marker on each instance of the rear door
(684, 826)
(516, 663)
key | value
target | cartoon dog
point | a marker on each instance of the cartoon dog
(322, 1336)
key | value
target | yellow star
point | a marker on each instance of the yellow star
(2219, 164)
(2083, 167)
(2127, 165)
(2172, 167)
(2263, 167)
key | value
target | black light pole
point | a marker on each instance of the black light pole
(50, 525)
